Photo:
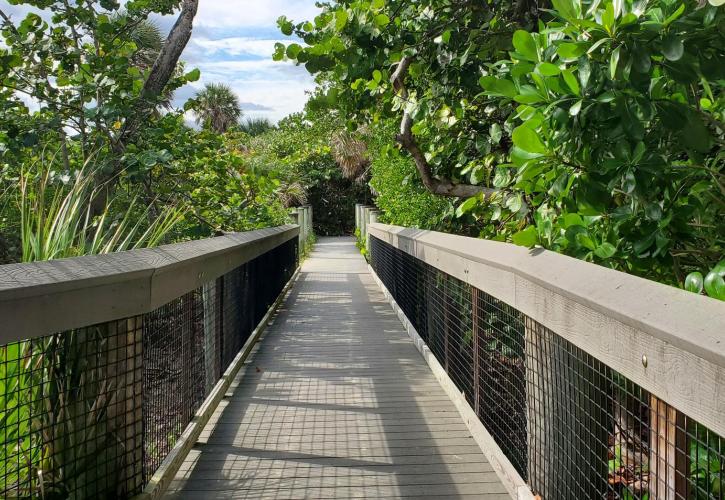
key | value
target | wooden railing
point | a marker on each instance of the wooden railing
(110, 365)
(579, 381)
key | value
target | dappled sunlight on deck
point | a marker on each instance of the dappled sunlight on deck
(336, 403)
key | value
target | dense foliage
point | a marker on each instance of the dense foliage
(74, 100)
(593, 128)
(300, 151)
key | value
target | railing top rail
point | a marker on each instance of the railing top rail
(41, 298)
(652, 333)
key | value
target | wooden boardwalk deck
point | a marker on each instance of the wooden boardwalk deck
(336, 402)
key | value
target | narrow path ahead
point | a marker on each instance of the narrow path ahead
(336, 403)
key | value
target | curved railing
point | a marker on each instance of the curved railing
(577, 380)
(105, 360)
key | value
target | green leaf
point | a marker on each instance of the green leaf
(605, 250)
(629, 182)
(293, 50)
(672, 47)
(570, 51)
(495, 133)
(514, 203)
(575, 108)
(653, 211)
(573, 231)
(341, 18)
(571, 81)
(285, 26)
(381, 20)
(674, 15)
(528, 140)
(569, 9)
(526, 237)
(466, 206)
(608, 17)
(548, 69)
(584, 240)
(573, 220)
(377, 75)
(694, 282)
(193, 75)
(498, 86)
(525, 45)
(641, 60)
(614, 62)
(559, 186)
(695, 135)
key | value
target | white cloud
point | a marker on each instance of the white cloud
(237, 46)
(266, 88)
(232, 43)
(252, 13)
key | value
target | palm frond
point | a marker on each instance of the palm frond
(292, 194)
(256, 126)
(350, 153)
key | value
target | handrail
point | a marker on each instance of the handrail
(41, 298)
(647, 331)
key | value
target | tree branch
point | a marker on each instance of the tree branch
(160, 73)
(162, 70)
(439, 186)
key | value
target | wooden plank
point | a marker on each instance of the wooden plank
(337, 403)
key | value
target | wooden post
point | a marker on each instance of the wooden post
(125, 409)
(312, 227)
(134, 401)
(363, 224)
(476, 334)
(210, 359)
(357, 215)
(668, 452)
(303, 227)
(567, 418)
(446, 321)
(372, 217)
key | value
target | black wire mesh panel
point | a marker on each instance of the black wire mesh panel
(570, 425)
(197, 335)
(70, 413)
(92, 412)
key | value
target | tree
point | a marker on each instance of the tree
(88, 69)
(256, 126)
(594, 129)
(217, 107)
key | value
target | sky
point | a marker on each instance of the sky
(232, 43)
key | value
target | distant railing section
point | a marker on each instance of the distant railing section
(92, 411)
(364, 216)
(302, 216)
(594, 384)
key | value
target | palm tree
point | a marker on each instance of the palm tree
(217, 107)
(256, 126)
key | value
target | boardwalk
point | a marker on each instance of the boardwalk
(336, 403)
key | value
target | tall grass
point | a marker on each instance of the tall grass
(57, 393)
(57, 221)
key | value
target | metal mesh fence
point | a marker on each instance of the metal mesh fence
(571, 426)
(92, 412)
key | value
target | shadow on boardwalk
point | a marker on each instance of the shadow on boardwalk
(336, 403)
